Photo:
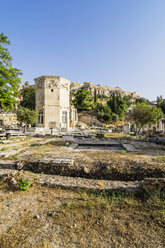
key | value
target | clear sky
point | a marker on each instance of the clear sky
(109, 42)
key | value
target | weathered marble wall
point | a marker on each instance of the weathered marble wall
(52, 97)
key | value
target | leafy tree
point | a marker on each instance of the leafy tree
(128, 100)
(103, 112)
(9, 77)
(141, 100)
(26, 116)
(118, 105)
(162, 106)
(27, 84)
(115, 117)
(161, 103)
(159, 100)
(28, 96)
(144, 114)
(83, 99)
(102, 96)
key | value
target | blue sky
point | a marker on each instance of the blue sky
(109, 42)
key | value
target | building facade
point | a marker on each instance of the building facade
(52, 103)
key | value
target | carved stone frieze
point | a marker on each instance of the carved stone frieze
(52, 84)
(65, 86)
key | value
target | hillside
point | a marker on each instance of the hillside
(102, 90)
(89, 118)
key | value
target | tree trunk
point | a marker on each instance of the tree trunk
(140, 129)
(25, 128)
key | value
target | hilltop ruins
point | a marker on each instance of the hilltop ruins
(102, 90)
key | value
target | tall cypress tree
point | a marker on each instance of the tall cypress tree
(95, 95)
(115, 103)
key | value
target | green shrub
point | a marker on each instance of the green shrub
(115, 117)
(23, 184)
(103, 112)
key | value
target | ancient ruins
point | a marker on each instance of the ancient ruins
(102, 90)
(52, 103)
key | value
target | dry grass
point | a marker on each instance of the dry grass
(117, 136)
(78, 219)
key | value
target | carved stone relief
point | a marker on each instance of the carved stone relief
(52, 84)
(65, 86)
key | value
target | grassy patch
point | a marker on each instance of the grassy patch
(12, 157)
(160, 159)
(117, 136)
(123, 152)
(101, 200)
(3, 149)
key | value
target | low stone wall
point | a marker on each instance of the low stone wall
(151, 186)
(96, 170)
(50, 166)
(99, 171)
(9, 119)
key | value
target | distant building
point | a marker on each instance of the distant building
(52, 103)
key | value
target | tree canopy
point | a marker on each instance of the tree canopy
(28, 96)
(9, 76)
(83, 99)
(27, 116)
(144, 114)
(103, 112)
(161, 103)
(142, 100)
(118, 105)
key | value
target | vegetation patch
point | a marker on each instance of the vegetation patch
(23, 184)
(3, 149)
(160, 159)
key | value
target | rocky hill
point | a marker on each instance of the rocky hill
(102, 90)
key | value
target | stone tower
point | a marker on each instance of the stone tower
(52, 102)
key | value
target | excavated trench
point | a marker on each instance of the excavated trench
(65, 172)
(100, 145)
(97, 170)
